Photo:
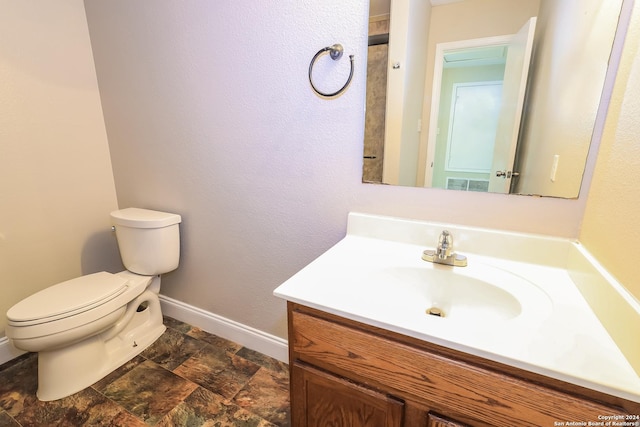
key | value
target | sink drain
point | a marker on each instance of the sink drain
(435, 311)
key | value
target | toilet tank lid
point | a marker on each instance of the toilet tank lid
(144, 218)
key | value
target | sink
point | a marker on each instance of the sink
(449, 294)
(516, 301)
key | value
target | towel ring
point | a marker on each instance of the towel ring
(335, 52)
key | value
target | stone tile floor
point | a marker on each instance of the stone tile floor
(188, 377)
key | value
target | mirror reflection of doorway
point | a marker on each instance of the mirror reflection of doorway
(467, 134)
(489, 77)
(468, 106)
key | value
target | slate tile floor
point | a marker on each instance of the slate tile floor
(186, 378)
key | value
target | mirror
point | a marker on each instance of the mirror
(447, 107)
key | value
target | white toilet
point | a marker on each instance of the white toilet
(85, 328)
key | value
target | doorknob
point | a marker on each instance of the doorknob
(507, 174)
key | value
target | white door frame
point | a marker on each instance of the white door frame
(441, 48)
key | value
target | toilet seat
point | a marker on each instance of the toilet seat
(56, 312)
(67, 299)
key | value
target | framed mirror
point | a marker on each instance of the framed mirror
(485, 95)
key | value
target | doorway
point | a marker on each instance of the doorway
(477, 100)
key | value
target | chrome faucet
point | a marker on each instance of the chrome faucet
(444, 253)
(445, 244)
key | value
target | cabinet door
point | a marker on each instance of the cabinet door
(319, 399)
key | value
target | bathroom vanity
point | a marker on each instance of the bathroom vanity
(349, 373)
(516, 343)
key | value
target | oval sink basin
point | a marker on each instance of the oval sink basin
(481, 294)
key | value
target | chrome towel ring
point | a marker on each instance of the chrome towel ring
(335, 52)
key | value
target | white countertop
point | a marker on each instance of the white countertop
(557, 335)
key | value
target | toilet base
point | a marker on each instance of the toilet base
(68, 370)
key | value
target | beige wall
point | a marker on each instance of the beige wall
(405, 87)
(611, 228)
(56, 184)
(555, 124)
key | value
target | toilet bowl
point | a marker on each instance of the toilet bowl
(85, 328)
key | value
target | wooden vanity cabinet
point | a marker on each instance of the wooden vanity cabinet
(345, 373)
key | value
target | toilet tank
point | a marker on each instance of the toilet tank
(149, 241)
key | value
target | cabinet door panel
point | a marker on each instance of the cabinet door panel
(322, 400)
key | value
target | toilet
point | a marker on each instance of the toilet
(85, 328)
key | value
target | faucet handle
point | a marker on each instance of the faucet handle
(445, 244)
(444, 252)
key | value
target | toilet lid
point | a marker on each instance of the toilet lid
(68, 298)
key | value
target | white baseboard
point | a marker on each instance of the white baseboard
(8, 351)
(244, 335)
(247, 336)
